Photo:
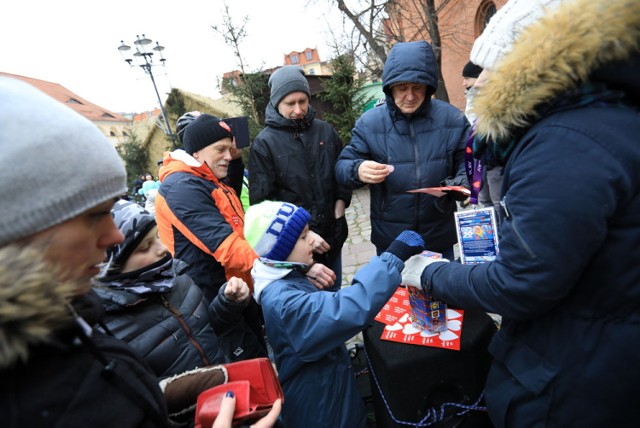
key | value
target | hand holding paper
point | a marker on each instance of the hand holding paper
(372, 172)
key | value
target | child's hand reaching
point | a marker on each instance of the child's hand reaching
(321, 276)
(236, 290)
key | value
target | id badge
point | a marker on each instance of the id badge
(477, 235)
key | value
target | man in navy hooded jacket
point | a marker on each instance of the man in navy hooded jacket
(410, 142)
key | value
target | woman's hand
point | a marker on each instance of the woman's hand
(228, 406)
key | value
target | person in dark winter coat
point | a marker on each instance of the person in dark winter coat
(410, 142)
(151, 304)
(292, 160)
(56, 368)
(567, 278)
(307, 327)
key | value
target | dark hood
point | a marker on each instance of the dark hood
(410, 62)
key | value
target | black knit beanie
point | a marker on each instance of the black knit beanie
(286, 80)
(471, 70)
(204, 130)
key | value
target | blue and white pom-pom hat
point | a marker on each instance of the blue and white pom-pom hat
(272, 228)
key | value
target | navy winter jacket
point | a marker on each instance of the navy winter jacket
(567, 278)
(424, 148)
(177, 330)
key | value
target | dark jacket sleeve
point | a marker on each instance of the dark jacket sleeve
(237, 339)
(351, 156)
(235, 174)
(224, 312)
(547, 237)
(342, 192)
(261, 174)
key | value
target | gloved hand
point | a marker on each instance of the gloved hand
(459, 181)
(413, 268)
(445, 204)
(406, 245)
(181, 391)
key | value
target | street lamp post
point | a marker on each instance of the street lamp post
(146, 62)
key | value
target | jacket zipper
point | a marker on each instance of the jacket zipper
(185, 327)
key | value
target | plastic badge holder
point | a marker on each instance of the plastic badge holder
(255, 385)
(427, 313)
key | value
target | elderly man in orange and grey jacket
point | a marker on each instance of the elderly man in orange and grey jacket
(200, 218)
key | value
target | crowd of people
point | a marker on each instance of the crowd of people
(113, 314)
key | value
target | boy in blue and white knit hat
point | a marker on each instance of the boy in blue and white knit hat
(306, 326)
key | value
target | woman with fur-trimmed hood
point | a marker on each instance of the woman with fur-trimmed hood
(56, 369)
(561, 113)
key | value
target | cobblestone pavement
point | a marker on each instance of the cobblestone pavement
(357, 249)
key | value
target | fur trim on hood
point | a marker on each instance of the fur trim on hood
(33, 302)
(553, 55)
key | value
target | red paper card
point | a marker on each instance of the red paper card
(398, 327)
(442, 190)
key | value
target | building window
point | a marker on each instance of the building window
(309, 55)
(486, 10)
(294, 59)
(312, 71)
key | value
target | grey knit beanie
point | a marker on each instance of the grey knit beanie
(56, 164)
(286, 80)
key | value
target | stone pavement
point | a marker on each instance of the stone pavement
(358, 249)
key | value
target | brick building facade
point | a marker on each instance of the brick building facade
(460, 23)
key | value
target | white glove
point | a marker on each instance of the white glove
(412, 272)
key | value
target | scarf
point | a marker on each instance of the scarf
(156, 278)
(266, 271)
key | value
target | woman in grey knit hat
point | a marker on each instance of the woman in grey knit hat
(59, 179)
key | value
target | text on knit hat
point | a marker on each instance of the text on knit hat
(273, 228)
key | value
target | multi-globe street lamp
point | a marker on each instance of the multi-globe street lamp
(144, 58)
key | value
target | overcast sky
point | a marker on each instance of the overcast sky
(74, 43)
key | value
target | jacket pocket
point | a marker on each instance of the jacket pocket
(518, 388)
